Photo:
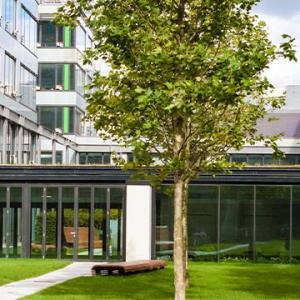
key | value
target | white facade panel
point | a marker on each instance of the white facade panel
(138, 222)
(60, 98)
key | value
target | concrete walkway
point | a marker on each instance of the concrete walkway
(22, 288)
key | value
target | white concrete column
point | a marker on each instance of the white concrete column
(138, 222)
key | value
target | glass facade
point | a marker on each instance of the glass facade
(65, 118)
(82, 221)
(251, 221)
(101, 158)
(57, 77)
(72, 222)
(27, 88)
(51, 35)
(28, 30)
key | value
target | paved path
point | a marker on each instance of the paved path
(22, 288)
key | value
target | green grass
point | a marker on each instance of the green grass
(18, 269)
(232, 281)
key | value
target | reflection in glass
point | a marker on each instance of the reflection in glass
(15, 222)
(68, 230)
(115, 224)
(83, 234)
(2, 221)
(236, 221)
(203, 222)
(51, 222)
(272, 221)
(296, 222)
(164, 223)
(36, 221)
(99, 242)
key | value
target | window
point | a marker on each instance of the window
(94, 158)
(9, 76)
(59, 77)
(80, 80)
(46, 157)
(80, 38)
(27, 88)
(28, 30)
(50, 35)
(89, 42)
(9, 15)
(59, 117)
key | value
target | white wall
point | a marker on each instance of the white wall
(138, 222)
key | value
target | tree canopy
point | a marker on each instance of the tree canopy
(186, 83)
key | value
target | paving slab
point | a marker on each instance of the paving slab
(22, 288)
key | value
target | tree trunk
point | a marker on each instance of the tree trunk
(185, 232)
(180, 238)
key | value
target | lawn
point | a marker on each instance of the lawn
(241, 281)
(17, 269)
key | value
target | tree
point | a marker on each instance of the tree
(186, 83)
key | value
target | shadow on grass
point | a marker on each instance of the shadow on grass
(207, 281)
(150, 285)
(245, 281)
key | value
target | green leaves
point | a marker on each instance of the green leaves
(186, 80)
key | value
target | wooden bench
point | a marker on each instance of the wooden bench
(128, 267)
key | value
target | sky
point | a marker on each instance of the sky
(282, 16)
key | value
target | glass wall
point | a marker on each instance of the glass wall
(295, 245)
(51, 35)
(28, 30)
(203, 221)
(272, 221)
(27, 88)
(235, 221)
